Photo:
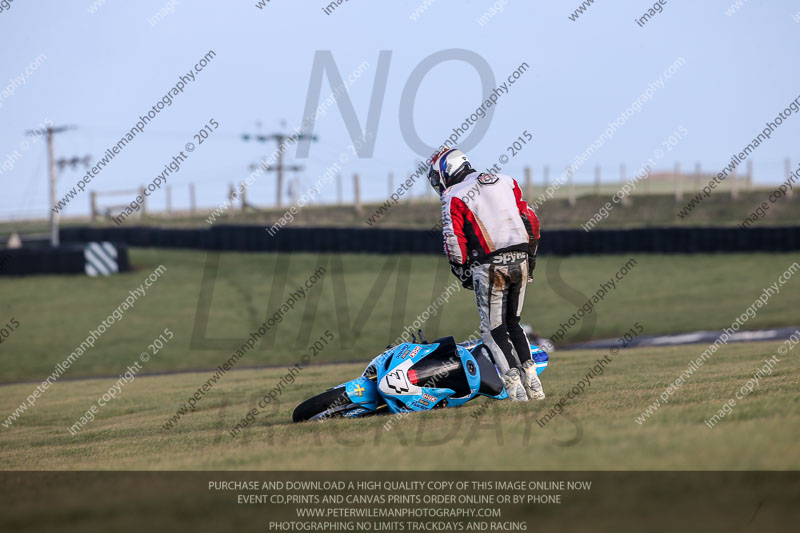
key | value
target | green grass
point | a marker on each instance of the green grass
(665, 294)
(761, 433)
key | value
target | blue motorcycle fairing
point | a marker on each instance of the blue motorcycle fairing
(540, 358)
(402, 395)
(502, 396)
(362, 392)
(538, 354)
(386, 379)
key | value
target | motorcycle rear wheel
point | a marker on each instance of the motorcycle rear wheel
(329, 404)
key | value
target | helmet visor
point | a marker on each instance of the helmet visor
(435, 181)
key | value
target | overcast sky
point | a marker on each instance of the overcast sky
(100, 71)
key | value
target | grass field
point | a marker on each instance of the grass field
(600, 432)
(666, 294)
(365, 310)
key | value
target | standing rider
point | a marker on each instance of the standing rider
(491, 238)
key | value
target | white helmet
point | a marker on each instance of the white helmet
(447, 168)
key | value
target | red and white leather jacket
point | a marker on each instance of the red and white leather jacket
(485, 215)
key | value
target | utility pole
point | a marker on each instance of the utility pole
(281, 139)
(50, 132)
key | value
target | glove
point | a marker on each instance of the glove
(463, 274)
(533, 248)
(531, 267)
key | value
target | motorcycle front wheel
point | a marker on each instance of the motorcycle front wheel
(329, 404)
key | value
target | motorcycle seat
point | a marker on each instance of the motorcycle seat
(491, 384)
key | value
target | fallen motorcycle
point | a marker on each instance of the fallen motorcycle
(415, 377)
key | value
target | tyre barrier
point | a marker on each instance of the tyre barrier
(422, 241)
(91, 258)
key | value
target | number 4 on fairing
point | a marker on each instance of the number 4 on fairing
(397, 381)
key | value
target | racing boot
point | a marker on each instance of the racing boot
(530, 378)
(513, 385)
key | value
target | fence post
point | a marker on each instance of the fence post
(528, 191)
(192, 199)
(698, 174)
(357, 191)
(571, 177)
(169, 200)
(244, 196)
(144, 201)
(597, 180)
(749, 174)
(623, 171)
(678, 183)
(93, 204)
(788, 173)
